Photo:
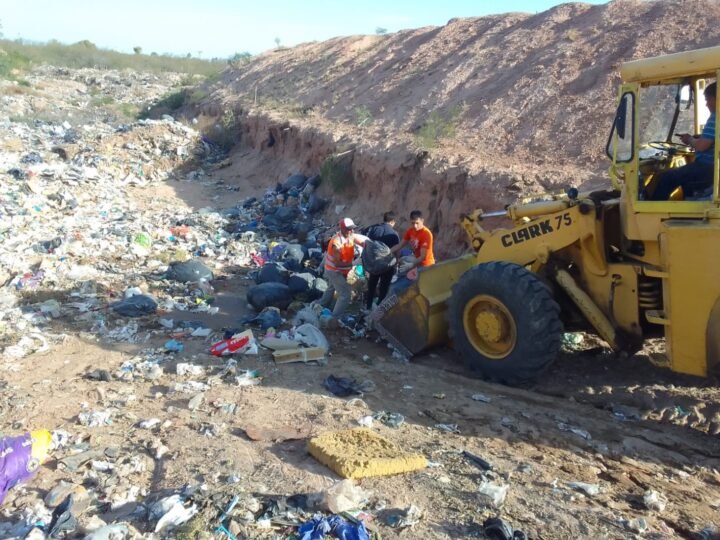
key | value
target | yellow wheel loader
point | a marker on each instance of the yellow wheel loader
(613, 262)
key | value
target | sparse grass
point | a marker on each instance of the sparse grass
(437, 127)
(19, 55)
(223, 131)
(168, 104)
(23, 82)
(363, 115)
(337, 170)
(16, 90)
(197, 95)
(100, 101)
(572, 34)
(128, 110)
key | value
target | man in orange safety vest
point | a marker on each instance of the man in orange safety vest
(338, 263)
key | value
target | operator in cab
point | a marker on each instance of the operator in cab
(697, 175)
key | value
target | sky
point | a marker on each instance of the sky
(220, 28)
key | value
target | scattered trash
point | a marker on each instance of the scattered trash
(343, 386)
(310, 335)
(477, 460)
(269, 295)
(268, 318)
(189, 369)
(572, 340)
(498, 529)
(242, 343)
(336, 527)
(171, 512)
(366, 421)
(493, 494)
(448, 428)
(393, 420)
(577, 431)
(174, 346)
(20, 458)
(138, 305)
(95, 419)
(288, 356)
(589, 489)
(189, 272)
(654, 500)
(402, 519)
(248, 377)
(481, 397)
(344, 496)
(638, 525)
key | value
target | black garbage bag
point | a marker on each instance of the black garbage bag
(269, 294)
(296, 181)
(314, 181)
(135, 306)
(301, 283)
(267, 318)
(189, 271)
(342, 386)
(377, 258)
(316, 204)
(273, 273)
(302, 230)
(283, 219)
(293, 257)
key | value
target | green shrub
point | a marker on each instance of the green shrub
(438, 126)
(363, 115)
(11, 61)
(337, 171)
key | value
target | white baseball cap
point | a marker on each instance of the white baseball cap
(347, 223)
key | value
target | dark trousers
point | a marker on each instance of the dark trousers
(384, 279)
(692, 177)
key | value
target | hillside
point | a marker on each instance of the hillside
(521, 103)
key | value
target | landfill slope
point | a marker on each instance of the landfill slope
(522, 104)
(102, 341)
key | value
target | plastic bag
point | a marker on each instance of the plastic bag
(138, 305)
(269, 294)
(310, 335)
(189, 271)
(273, 273)
(376, 257)
(20, 458)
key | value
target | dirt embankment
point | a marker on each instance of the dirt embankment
(447, 119)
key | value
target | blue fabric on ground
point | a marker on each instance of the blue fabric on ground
(334, 526)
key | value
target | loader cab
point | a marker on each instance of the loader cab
(643, 143)
(659, 98)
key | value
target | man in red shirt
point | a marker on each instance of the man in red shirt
(419, 239)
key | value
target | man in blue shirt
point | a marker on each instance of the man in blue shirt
(698, 175)
(385, 233)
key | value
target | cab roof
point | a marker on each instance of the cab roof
(689, 64)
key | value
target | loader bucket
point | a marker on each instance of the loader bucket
(415, 318)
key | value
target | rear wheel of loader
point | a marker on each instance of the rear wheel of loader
(504, 322)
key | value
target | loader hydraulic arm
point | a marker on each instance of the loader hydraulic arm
(541, 228)
(519, 213)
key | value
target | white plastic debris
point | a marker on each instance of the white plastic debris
(654, 500)
(493, 494)
(344, 496)
(589, 489)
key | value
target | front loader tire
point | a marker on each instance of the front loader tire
(504, 322)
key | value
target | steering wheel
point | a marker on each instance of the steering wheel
(670, 147)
